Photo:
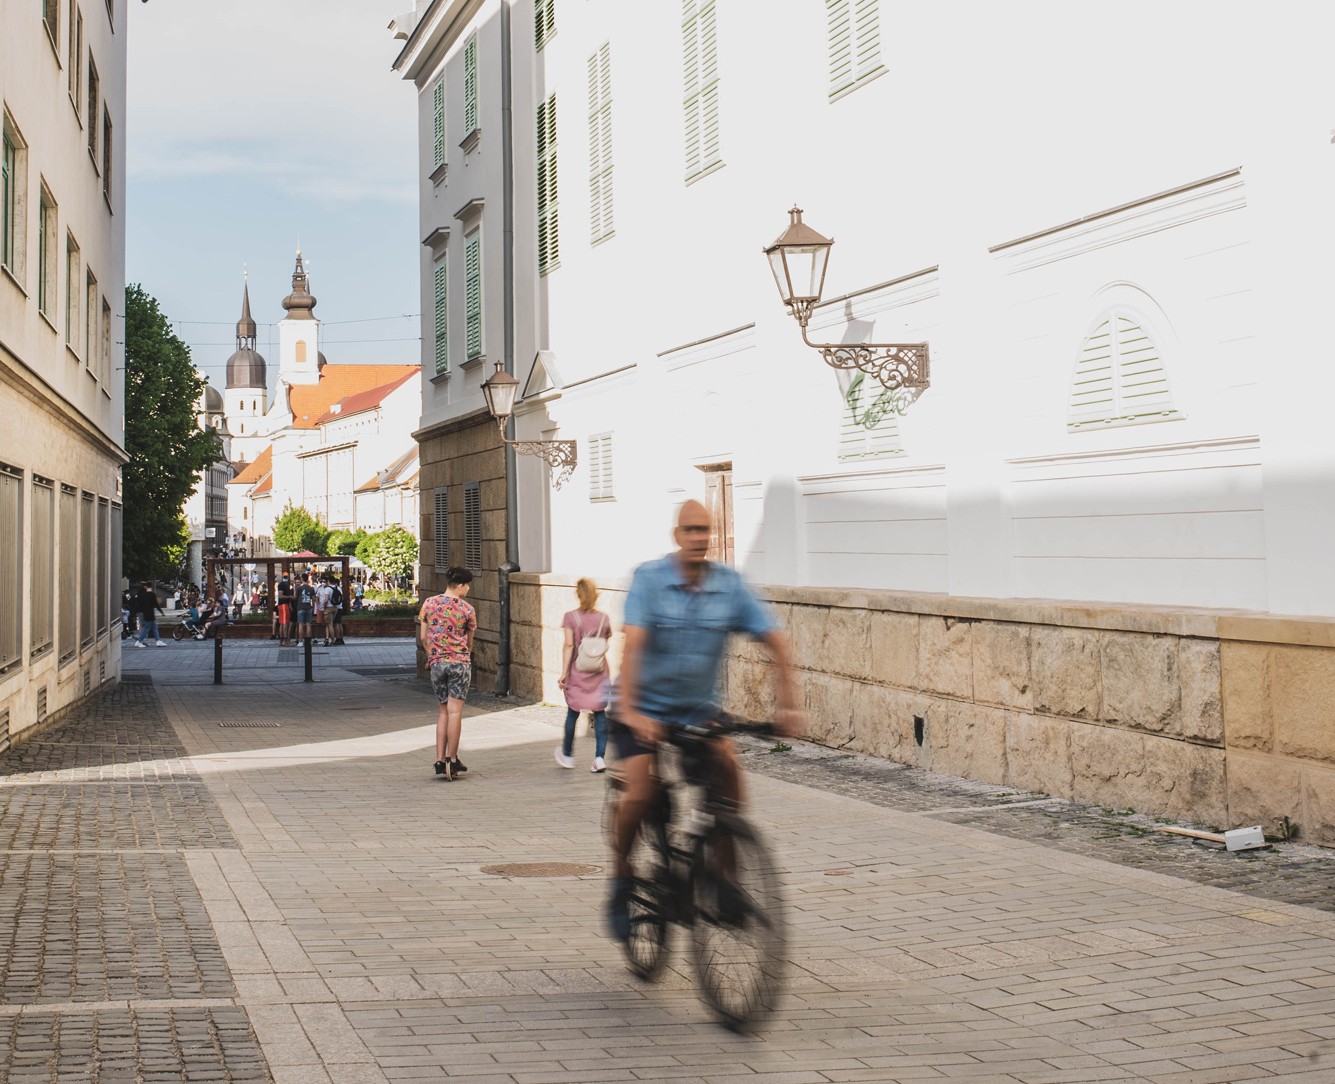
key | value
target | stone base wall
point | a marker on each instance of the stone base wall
(1195, 715)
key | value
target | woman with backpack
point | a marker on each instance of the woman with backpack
(585, 674)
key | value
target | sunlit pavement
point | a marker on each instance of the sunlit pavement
(263, 879)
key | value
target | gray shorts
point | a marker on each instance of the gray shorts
(450, 680)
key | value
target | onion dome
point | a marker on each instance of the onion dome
(213, 400)
(299, 303)
(245, 368)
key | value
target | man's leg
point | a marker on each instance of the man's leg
(454, 727)
(639, 789)
(442, 723)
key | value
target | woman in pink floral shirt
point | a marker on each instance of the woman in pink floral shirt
(448, 626)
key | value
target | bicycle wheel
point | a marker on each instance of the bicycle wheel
(739, 931)
(647, 949)
(178, 633)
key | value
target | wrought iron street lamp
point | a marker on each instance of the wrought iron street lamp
(798, 259)
(500, 390)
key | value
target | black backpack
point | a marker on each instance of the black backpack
(335, 595)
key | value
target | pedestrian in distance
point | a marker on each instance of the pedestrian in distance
(286, 606)
(448, 624)
(358, 594)
(680, 610)
(305, 606)
(585, 673)
(322, 593)
(148, 607)
(334, 613)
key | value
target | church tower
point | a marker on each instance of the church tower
(246, 399)
(299, 360)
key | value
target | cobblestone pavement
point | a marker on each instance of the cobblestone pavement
(1289, 872)
(281, 890)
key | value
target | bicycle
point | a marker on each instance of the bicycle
(700, 864)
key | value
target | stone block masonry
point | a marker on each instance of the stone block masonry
(1212, 717)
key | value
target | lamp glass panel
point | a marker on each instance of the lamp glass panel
(776, 265)
(500, 391)
(806, 266)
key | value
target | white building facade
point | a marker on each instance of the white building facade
(62, 289)
(332, 441)
(1122, 285)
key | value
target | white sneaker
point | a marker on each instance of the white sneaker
(140, 643)
(162, 643)
(599, 765)
(562, 759)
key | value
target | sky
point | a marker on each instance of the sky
(255, 124)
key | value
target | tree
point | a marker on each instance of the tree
(391, 552)
(345, 542)
(296, 530)
(167, 446)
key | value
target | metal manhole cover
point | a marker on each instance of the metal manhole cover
(235, 726)
(542, 869)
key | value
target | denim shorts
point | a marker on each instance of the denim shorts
(303, 617)
(450, 680)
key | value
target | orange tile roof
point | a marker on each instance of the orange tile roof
(391, 473)
(311, 402)
(255, 471)
(265, 486)
(363, 400)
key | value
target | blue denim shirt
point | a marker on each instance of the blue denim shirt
(688, 630)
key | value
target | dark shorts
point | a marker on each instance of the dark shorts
(303, 617)
(450, 680)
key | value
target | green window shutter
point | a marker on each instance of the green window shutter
(868, 31)
(473, 295)
(600, 467)
(438, 123)
(699, 39)
(1119, 378)
(600, 143)
(869, 422)
(442, 321)
(544, 22)
(470, 85)
(43, 257)
(549, 247)
(7, 181)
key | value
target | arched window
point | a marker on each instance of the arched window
(1120, 378)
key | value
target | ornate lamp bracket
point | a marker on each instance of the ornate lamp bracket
(561, 455)
(894, 365)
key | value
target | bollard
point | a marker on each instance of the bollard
(217, 660)
(308, 660)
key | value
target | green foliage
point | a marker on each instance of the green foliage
(363, 550)
(391, 552)
(345, 542)
(167, 447)
(296, 530)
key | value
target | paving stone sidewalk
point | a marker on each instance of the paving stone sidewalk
(264, 881)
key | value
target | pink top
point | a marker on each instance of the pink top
(586, 691)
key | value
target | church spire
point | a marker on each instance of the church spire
(299, 303)
(245, 327)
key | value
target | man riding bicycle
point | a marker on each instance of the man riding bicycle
(679, 612)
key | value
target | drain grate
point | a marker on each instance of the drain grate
(136, 679)
(542, 869)
(248, 724)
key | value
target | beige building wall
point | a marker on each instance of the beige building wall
(61, 358)
(455, 456)
(1190, 715)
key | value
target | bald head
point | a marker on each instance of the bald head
(692, 535)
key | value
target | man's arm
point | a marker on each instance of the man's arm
(632, 654)
(789, 718)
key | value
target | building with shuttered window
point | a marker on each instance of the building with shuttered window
(62, 288)
(1091, 557)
